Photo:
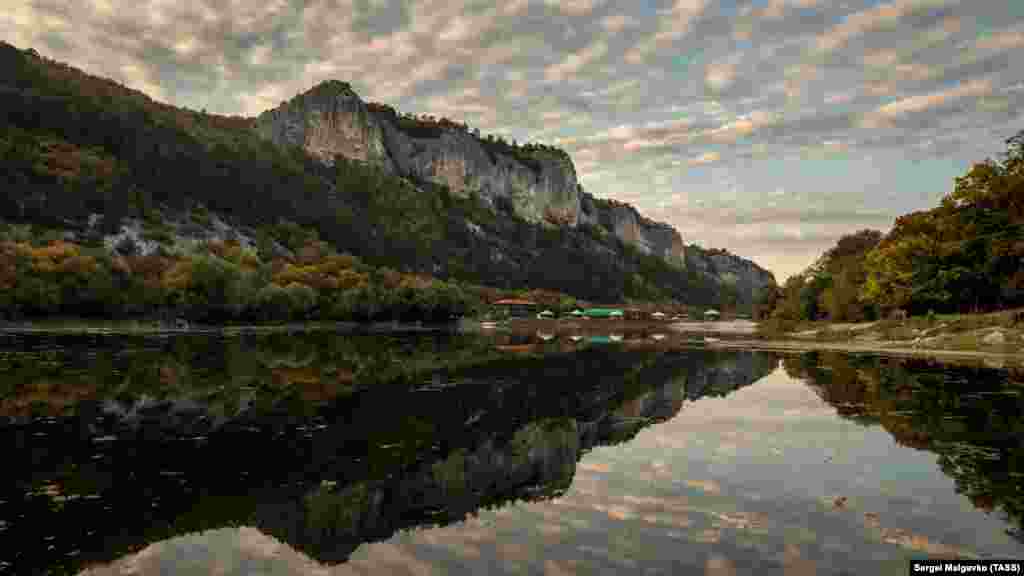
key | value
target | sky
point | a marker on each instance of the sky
(769, 128)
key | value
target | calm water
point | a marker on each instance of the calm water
(444, 453)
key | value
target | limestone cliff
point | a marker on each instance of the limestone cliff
(631, 227)
(328, 120)
(747, 278)
(537, 183)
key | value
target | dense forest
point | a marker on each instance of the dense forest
(83, 156)
(965, 255)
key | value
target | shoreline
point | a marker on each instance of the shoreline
(881, 348)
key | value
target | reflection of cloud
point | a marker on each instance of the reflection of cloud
(705, 158)
(599, 467)
(1003, 40)
(709, 486)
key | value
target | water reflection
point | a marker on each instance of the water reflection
(319, 441)
(968, 416)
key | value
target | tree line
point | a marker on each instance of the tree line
(965, 255)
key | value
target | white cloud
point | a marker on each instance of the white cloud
(574, 62)
(859, 23)
(884, 115)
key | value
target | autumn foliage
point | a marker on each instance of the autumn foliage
(965, 255)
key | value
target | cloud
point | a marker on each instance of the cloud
(860, 23)
(574, 62)
(615, 23)
(887, 114)
(575, 7)
(673, 24)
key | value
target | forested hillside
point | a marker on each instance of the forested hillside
(83, 156)
(965, 255)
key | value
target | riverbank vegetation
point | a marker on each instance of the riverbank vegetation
(964, 256)
(43, 276)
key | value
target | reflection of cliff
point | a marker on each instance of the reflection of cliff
(122, 472)
(969, 416)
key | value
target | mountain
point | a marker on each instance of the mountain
(98, 161)
(536, 183)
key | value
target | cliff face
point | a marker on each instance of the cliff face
(626, 223)
(747, 278)
(543, 190)
(537, 183)
(328, 120)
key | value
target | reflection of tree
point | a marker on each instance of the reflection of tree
(333, 472)
(969, 416)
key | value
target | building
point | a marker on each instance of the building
(603, 313)
(514, 308)
(711, 314)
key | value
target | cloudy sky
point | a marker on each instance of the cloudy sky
(767, 127)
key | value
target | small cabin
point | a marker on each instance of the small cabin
(712, 314)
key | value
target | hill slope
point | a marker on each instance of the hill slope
(85, 155)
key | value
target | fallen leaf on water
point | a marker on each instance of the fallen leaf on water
(709, 486)
(711, 536)
(719, 566)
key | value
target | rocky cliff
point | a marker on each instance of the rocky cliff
(404, 192)
(537, 183)
(623, 220)
(326, 121)
(745, 277)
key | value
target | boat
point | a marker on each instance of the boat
(658, 336)
(545, 336)
(615, 337)
(575, 337)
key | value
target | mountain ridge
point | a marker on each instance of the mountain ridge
(84, 153)
(451, 154)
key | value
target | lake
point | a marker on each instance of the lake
(446, 452)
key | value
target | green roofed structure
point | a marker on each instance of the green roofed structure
(603, 313)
